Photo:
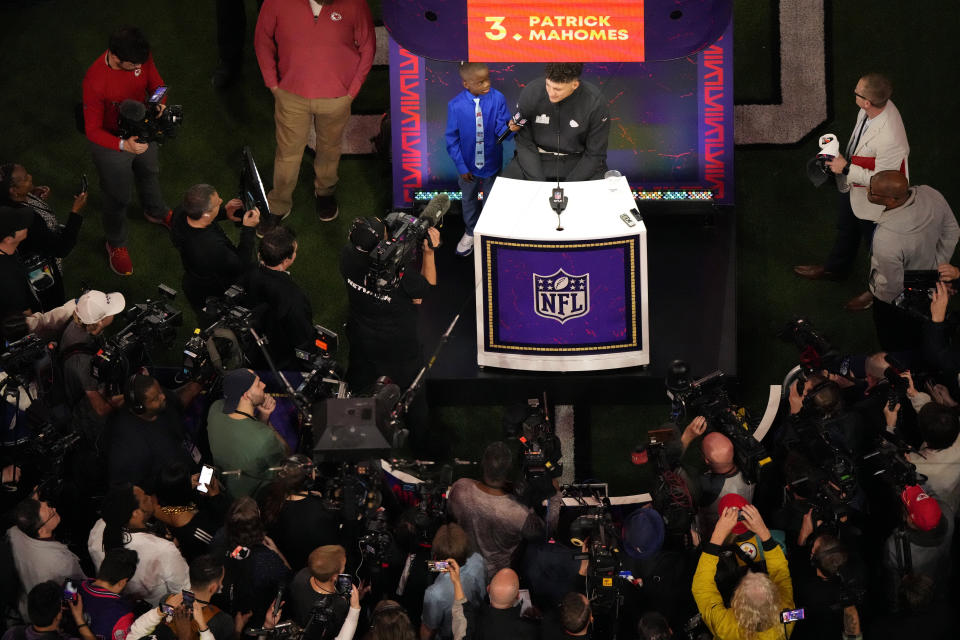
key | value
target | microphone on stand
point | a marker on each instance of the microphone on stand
(558, 201)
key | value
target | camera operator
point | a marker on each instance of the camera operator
(240, 434)
(46, 605)
(824, 580)
(282, 310)
(494, 519)
(37, 555)
(818, 402)
(758, 599)
(147, 434)
(921, 544)
(16, 294)
(382, 325)
(47, 241)
(319, 607)
(80, 341)
(938, 457)
(124, 72)
(211, 262)
(721, 477)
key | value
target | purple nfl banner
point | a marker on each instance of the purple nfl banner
(562, 298)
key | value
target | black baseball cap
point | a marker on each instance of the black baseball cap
(235, 384)
(12, 219)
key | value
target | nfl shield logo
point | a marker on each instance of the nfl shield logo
(561, 296)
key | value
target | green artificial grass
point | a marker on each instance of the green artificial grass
(782, 219)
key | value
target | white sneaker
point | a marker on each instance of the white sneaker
(465, 246)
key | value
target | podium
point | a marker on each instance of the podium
(561, 300)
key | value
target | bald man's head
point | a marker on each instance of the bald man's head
(718, 452)
(889, 188)
(503, 589)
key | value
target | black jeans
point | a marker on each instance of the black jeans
(850, 229)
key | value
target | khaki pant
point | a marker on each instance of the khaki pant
(293, 116)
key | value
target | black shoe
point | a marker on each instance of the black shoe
(224, 76)
(268, 223)
(327, 209)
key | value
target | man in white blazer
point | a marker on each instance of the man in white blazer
(878, 143)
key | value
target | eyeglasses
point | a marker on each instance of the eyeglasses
(861, 97)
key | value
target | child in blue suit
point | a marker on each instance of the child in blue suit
(475, 117)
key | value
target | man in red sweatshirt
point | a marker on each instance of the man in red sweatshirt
(125, 71)
(314, 57)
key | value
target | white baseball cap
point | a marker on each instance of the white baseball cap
(94, 306)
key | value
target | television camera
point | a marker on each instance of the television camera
(224, 344)
(151, 324)
(391, 257)
(708, 397)
(149, 121)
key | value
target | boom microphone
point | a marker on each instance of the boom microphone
(518, 120)
(433, 212)
(132, 110)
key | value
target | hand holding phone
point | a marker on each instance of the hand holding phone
(188, 599)
(206, 476)
(438, 566)
(70, 590)
(791, 615)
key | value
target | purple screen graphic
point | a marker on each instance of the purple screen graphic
(671, 121)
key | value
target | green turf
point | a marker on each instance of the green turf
(782, 219)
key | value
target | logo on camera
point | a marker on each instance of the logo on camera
(561, 296)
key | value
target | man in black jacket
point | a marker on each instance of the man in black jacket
(47, 240)
(211, 262)
(567, 129)
(281, 308)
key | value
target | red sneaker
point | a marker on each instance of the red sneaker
(165, 221)
(120, 260)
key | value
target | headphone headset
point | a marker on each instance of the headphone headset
(366, 233)
(809, 396)
(130, 396)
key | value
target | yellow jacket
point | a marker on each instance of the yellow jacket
(718, 618)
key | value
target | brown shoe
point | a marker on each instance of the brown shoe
(812, 271)
(861, 303)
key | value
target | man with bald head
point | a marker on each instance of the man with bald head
(501, 618)
(721, 477)
(916, 230)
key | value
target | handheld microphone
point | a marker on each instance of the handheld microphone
(517, 119)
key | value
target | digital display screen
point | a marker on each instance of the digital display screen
(542, 31)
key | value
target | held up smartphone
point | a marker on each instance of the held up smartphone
(277, 602)
(69, 590)
(188, 598)
(438, 566)
(206, 476)
(84, 185)
(524, 596)
(791, 615)
(158, 94)
(344, 584)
